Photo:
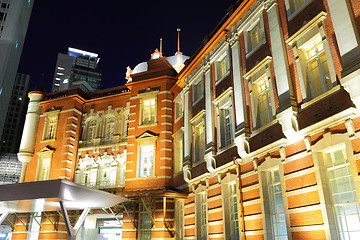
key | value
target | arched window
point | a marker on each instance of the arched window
(105, 176)
(91, 130)
(109, 128)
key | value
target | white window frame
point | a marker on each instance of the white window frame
(225, 101)
(91, 130)
(201, 213)
(179, 219)
(148, 96)
(272, 164)
(292, 10)
(198, 83)
(110, 127)
(44, 158)
(146, 140)
(227, 182)
(256, 21)
(141, 230)
(178, 150)
(223, 55)
(178, 106)
(255, 77)
(198, 122)
(50, 125)
(313, 31)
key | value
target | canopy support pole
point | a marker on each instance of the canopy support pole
(73, 231)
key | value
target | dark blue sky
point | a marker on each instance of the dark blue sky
(123, 33)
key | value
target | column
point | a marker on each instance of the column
(31, 125)
(187, 136)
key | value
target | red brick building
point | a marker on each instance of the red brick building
(257, 137)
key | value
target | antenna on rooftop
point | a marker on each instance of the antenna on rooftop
(161, 45)
(178, 45)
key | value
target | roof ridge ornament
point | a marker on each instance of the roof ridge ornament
(178, 43)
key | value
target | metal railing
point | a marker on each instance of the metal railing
(104, 184)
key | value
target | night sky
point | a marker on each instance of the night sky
(123, 33)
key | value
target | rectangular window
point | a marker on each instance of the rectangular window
(149, 111)
(43, 169)
(255, 36)
(232, 216)
(264, 115)
(110, 128)
(146, 161)
(319, 80)
(178, 147)
(50, 128)
(226, 132)
(91, 130)
(178, 108)
(221, 67)
(197, 89)
(145, 224)
(201, 216)
(343, 196)
(179, 219)
(199, 143)
(277, 211)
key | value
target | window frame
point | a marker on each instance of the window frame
(44, 154)
(256, 21)
(312, 32)
(178, 137)
(225, 101)
(292, 10)
(178, 101)
(198, 122)
(255, 77)
(198, 80)
(147, 96)
(200, 215)
(146, 139)
(51, 115)
(179, 219)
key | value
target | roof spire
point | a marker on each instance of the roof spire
(178, 45)
(161, 46)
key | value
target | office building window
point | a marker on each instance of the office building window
(277, 212)
(201, 215)
(197, 89)
(148, 111)
(343, 196)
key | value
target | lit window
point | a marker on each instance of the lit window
(43, 169)
(201, 216)
(60, 68)
(255, 36)
(58, 79)
(197, 89)
(199, 143)
(178, 150)
(60, 74)
(343, 196)
(109, 128)
(261, 93)
(277, 212)
(50, 127)
(148, 111)
(226, 126)
(146, 161)
(293, 5)
(178, 107)
(66, 81)
(319, 80)
(221, 67)
(264, 103)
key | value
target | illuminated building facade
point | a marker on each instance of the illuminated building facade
(78, 68)
(257, 137)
